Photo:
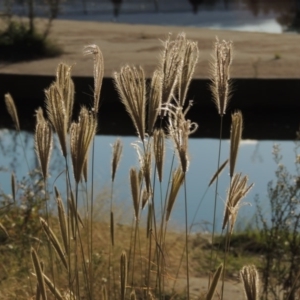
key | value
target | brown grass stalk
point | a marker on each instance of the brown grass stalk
(43, 142)
(235, 138)
(98, 72)
(39, 273)
(57, 114)
(123, 274)
(66, 86)
(62, 221)
(220, 85)
(131, 86)
(250, 279)
(219, 171)
(159, 151)
(177, 181)
(190, 55)
(81, 135)
(13, 186)
(135, 191)
(155, 98)
(214, 283)
(237, 191)
(116, 156)
(54, 242)
(12, 110)
(56, 293)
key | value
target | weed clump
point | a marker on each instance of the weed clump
(18, 42)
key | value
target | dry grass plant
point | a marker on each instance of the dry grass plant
(145, 259)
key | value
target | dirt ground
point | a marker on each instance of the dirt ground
(260, 55)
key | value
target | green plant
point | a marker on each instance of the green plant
(17, 42)
(280, 232)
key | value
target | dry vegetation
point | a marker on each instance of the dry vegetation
(74, 255)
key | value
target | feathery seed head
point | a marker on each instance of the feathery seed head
(220, 85)
(237, 191)
(154, 100)
(12, 110)
(135, 188)
(170, 67)
(98, 72)
(43, 141)
(179, 130)
(81, 135)
(146, 168)
(117, 151)
(190, 54)
(235, 138)
(250, 278)
(131, 86)
(66, 86)
(159, 151)
(177, 180)
(57, 114)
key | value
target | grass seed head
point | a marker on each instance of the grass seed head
(135, 188)
(131, 86)
(98, 72)
(159, 151)
(116, 156)
(57, 114)
(220, 81)
(12, 110)
(219, 171)
(250, 279)
(170, 67)
(179, 130)
(177, 180)
(43, 142)
(237, 191)
(155, 98)
(235, 138)
(190, 54)
(81, 135)
(66, 86)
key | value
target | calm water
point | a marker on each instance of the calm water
(255, 160)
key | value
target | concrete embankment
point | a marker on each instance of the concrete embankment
(270, 106)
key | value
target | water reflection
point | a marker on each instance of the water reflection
(255, 160)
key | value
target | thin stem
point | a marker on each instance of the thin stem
(92, 219)
(227, 244)
(68, 185)
(216, 194)
(134, 248)
(186, 239)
